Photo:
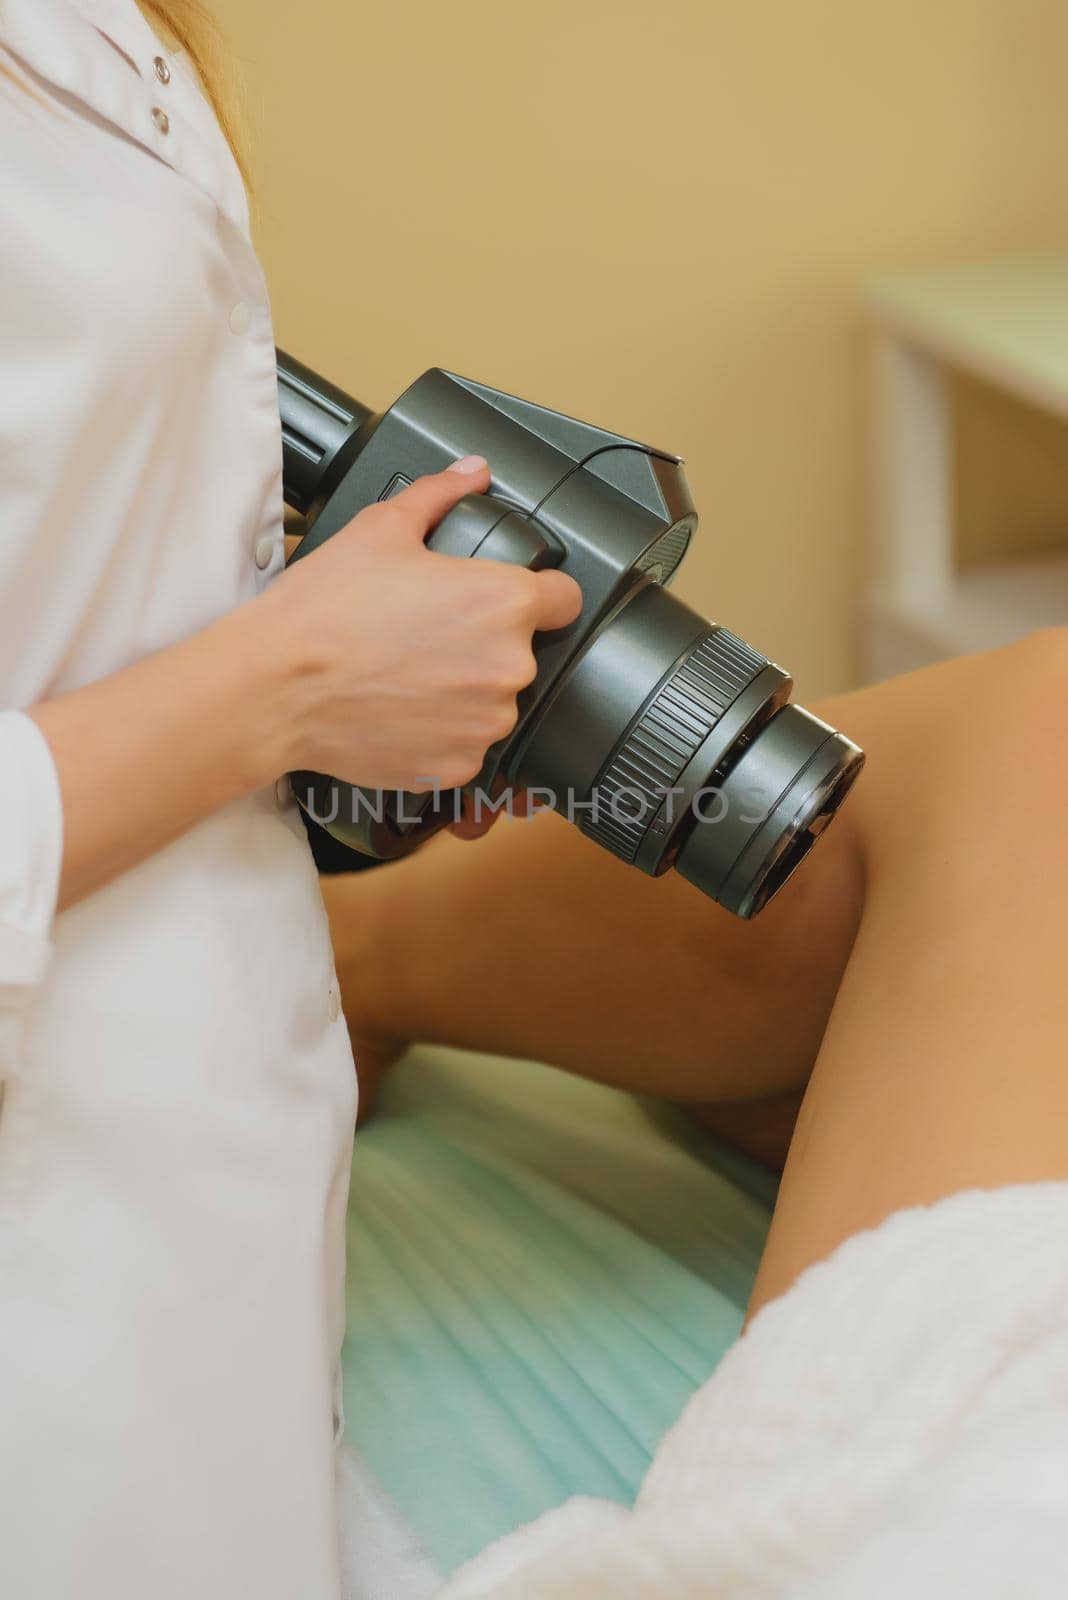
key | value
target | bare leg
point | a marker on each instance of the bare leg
(536, 942)
(945, 1061)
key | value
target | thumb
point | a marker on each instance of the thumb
(426, 501)
(558, 600)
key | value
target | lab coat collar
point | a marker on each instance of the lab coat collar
(123, 22)
(61, 42)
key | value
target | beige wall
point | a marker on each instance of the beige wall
(1011, 475)
(655, 215)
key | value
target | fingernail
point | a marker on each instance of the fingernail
(469, 465)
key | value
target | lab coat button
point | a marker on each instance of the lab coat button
(335, 1002)
(161, 119)
(163, 71)
(240, 317)
(264, 552)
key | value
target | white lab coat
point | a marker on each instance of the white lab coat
(178, 1087)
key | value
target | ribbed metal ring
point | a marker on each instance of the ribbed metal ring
(662, 740)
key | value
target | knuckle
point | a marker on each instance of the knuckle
(417, 488)
(504, 720)
(460, 770)
(524, 669)
(392, 514)
(516, 586)
(492, 580)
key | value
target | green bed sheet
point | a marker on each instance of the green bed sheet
(541, 1271)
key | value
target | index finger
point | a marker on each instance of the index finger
(428, 499)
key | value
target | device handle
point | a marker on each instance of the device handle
(318, 421)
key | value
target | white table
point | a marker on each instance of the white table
(1003, 322)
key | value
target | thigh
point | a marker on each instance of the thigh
(945, 1060)
(537, 942)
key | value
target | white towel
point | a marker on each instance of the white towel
(380, 1559)
(896, 1424)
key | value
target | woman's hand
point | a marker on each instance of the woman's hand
(403, 664)
(373, 659)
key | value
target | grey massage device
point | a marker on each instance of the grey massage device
(663, 736)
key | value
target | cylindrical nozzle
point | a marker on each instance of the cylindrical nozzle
(770, 809)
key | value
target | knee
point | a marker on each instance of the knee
(1027, 689)
(1040, 659)
(976, 748)
(1009, 752)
